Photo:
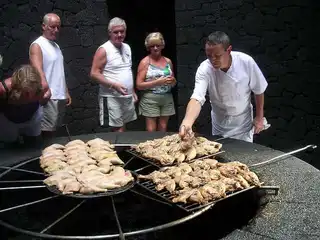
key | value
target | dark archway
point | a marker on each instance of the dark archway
(143, 17)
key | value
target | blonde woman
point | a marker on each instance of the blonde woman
(20, 111)
(155, 78)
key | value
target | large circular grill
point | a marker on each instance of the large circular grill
(26, 177)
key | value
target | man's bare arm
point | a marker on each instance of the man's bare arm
(36, 61)
(98, 63)
(192, 113)
(259, 105)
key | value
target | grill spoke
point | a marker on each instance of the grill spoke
(154, 199)
(27, 204)
(17, 166)
(127, 163)
(121, 235)
(62, 217)
(21, 170)
(140, 169)
(19, 188)
(21, 181)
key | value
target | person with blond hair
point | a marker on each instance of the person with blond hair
(45, 55)
(112, 69)
(20, 111)
(155, 79)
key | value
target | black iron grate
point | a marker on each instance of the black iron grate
(154, 163)
(188, 207)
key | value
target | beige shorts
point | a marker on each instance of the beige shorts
(120, 110)
(53, 114)
(156, 105)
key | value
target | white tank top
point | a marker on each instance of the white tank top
(53, 67)
(117, 69)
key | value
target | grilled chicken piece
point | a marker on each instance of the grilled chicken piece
(211, 162)
(227, 170)
(242, 181)
(231, 184)
(199, 164)
(250, 177)
(168, 184)
(191, 153)
(196, 196)
(183, 195)
(184, 180)
(213, 191)
(185, 168)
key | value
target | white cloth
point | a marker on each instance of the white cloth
(230, 94)
(53, 67)
(11, 131)
(117, 69)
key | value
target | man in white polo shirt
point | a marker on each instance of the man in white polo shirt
(229, 77)
(111, 68)
(46, 56)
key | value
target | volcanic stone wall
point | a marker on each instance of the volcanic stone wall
(84, 28)
(281, 37)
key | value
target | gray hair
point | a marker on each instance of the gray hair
(47, 18)
(116, 22)
(219, 38)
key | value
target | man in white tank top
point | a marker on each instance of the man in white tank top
(46, 56)
(111, 68)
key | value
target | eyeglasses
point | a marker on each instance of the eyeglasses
(153, 46)
(117, 32)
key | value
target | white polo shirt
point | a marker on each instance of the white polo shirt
(229, 92)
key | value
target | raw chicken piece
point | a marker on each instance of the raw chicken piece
(53, 147)
(71, 187)
(99, 141)
(75, 142)
(99, 155)
(114, 160)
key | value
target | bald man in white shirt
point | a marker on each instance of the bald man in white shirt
(229, 77)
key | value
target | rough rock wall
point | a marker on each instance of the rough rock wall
(84, 24)
(280, 36)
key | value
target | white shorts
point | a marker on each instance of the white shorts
(11, 131)
(53, 114)
(120, 110)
